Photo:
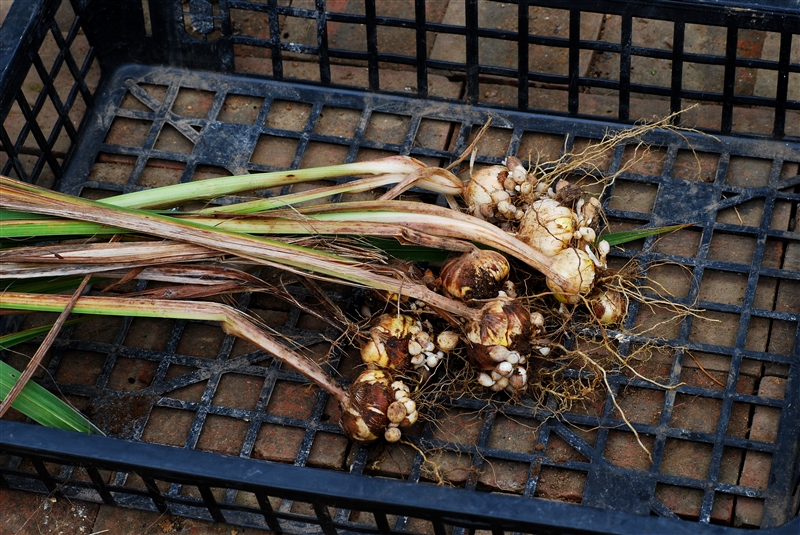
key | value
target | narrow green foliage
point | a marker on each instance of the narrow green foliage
(34, 401)
(618, 238)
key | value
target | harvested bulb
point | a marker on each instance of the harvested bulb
(389, 340)
(475, 275)
(501, 322)
(609, 306)
(547, 226)
(364, 420)
(377, 408)
(479, 191)
(577, 271)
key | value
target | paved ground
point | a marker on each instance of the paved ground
(28, 514)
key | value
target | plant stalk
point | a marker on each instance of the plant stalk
(233, 322)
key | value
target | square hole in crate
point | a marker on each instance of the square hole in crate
(194, 103)
(288, 115)
(498, 475)
(765, 423)
(591, 403)
(623, 450)
(498, 52)
(645, 107)
(80, 367)
(238, 391)
(782, 216)
(671, 279)
(300, 29)
(715, 328)
(548, 60)
(274, 152)
(337, 122)
(590, 155)
(458, 426)
(723, 287)
(365, 154)
(222, 434)
(99, 329)
(693, 375)
(276, 318)
(757, 334)
(561, 485)
(535, 147)
(112, 169)
(394, 40)
(447, 467)
(448, 47)
(705, 39)
(348, 36)
(201, 340)
(170, 139)
(158, 172)
(643, 160)
(387, 128)
(747, 213)
(434, 134)
(292, 400)
(766, 293)
(128, 132)
(633, 196)
(395, 461)
(250, 23)
(328, 451)
(731, 248)
(748, 512)
(696, 413)
(605, 66)
(756, 468)
(652, 33)
(121, 414)
(685, 458)
(493, 144)
(748, 172)
(601, 107)
(279, 443)
(691, 165)
(560, 451)
(168, 426)
(778, 254)
(640, 405)
(204, 172)
(240, 109)
(658, 321)
(130, 374)
(514, 434)
(782, 337)
(322, 154)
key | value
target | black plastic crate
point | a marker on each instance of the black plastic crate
(99, 98)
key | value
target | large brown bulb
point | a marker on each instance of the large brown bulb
(475, 275)
(387, 345)
(502, 322)
(364, 420)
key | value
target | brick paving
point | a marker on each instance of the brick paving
(29, 514)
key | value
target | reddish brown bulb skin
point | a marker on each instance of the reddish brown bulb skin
(476, 275)
(365, 419)
(502, 322)
(387, 346)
